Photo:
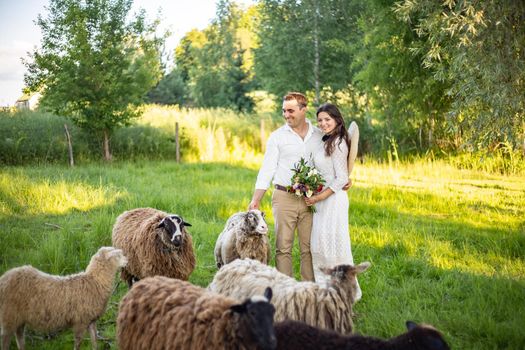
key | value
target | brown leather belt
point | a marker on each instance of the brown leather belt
(281, 188)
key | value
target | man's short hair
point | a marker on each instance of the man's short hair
(300, 98)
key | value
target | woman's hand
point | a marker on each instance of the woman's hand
(348, 185)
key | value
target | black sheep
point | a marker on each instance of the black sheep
(298, 335)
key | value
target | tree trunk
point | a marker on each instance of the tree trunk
(316, 54)
(432, 123)
(420, 137)
(107, 152)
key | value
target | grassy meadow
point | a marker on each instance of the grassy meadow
(447, 246)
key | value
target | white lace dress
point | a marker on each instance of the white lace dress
(330, 242)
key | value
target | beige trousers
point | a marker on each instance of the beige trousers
(290, 213)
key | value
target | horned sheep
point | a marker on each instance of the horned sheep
(293, 335)
(155, 243)
(48, 303)
(163, 313)
(327, 305)
(245, 235)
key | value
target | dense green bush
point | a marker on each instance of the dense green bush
(34, 137)
(28, 137)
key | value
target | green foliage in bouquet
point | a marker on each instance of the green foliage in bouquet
(306, 180)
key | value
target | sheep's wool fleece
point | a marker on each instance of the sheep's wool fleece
(163, 313)
(135, 232)
(48, 303)
(326, 307)
(237, 242)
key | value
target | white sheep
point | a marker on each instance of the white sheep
(245, 235)
(48, 303)
(155, 243)
(327, 306)
(164, 313)
(293, 335)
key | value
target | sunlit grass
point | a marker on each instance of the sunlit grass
(214, 135)
(20, 195)
(447, 246)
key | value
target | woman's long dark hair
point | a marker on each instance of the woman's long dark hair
(339, 131)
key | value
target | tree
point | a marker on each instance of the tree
(170, 90)
(92, 66)
(478, 49)
(306, 45)
(215, 62)
(410, 101)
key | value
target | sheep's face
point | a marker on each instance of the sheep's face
(345, 276)
(255, 320)
(426, 337)
(255, 222)
(116, 256)
(173, 230)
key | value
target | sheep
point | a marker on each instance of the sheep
(155, 243)
(293, 335)
(48, 303)
(163, 313)
(323, 305)
(245, 235)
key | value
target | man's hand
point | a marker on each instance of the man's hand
(310, 201)
(253, 205)
(256, 199)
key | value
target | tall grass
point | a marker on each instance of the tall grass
(447, 246)
(212, 135)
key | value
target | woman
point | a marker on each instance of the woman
(330, 242)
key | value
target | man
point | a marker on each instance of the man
(285, 147)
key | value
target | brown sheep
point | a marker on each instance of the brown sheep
(155, 243)
(163, 313)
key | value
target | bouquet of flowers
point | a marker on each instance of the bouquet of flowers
(306, 181)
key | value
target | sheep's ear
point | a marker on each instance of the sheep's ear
(161, 224)
(362, 267)
(411, 325)
(268, 293)
(184, 223)
(326, 270)
(115, 252)
(238, 308)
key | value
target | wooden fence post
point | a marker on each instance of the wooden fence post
(69, 147)
(177, 143)
(263, 136)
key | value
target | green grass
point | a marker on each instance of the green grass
(447, 246)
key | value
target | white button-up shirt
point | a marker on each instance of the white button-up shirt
(283, 149)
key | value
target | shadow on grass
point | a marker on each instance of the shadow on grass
(473, 311)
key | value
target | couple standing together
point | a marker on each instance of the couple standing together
(324, 239)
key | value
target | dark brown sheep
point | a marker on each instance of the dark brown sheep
(163, 313)
(156, 244)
